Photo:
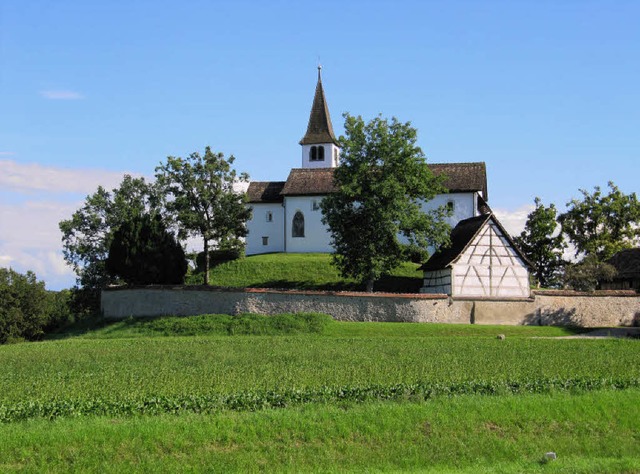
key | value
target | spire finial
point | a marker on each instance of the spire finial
(319, 71)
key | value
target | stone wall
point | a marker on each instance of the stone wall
(546, 308)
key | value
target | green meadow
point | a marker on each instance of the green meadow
(304, 393)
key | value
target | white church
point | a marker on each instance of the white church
(286, 215)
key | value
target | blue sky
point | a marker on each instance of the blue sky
(544, 92)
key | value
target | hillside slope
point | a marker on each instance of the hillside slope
(310, 271)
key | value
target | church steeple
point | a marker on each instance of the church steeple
(319, 129)
(320, 148)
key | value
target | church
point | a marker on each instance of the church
(287, 216)
(482, 261)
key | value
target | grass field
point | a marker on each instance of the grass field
(309, 271)
(308, 394)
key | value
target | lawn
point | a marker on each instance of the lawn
(306, 393)
(308, 271)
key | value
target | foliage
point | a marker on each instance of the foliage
(204, 201)
(381, 181)
(543, 245)
(601, 225)
(61, 314)
(309, 271)
(25, 306)
(143, 252)
(586, 274)
(87, 235)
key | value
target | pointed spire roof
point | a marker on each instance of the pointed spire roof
(319, 129)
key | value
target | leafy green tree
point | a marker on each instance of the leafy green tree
(382, 180)
(87, 235)
(144, 252)
(203, 199)
(25, 306)
(601, 225)
(543, 244)
(588, 273)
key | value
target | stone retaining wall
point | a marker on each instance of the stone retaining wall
(597, 309)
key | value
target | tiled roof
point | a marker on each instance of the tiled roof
(309, 181)
(461, 236)
(319, 129)
(265, 191)
(627, 262)
(463, 177)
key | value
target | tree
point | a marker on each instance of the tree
(588, 273)
(25, 306)
(86, 237)
(144, 252)
(382, 180)
(543, 245)
(601, 225)
(204, 201)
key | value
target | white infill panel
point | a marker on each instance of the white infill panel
(490, 267)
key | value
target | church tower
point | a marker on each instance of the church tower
(320, 147)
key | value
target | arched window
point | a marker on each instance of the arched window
(313, 154)
(321, 153)
(297, 229)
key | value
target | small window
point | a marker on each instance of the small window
(320, 153)
(451, 206)
(313, 154)
(335, 156)
(269, 216)
(265, 240)
(297, 229)
(315, 205)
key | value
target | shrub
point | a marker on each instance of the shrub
(143, 252)
(25, 306)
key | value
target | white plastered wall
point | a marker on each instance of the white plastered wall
(464, 205)
(316, 236)
(330, 151)
(259, 226)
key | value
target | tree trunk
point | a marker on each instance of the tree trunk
(206, 261)
(370, 285)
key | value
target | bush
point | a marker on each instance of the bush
(60, 312)
(25, 306)
(587, 275)
(143, 252)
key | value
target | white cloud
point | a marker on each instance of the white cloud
(34, 177)
(39, 198)
(61, 95)
(31, 240)
(514, 220)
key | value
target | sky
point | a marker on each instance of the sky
(545, 92)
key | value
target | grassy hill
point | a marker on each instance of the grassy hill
(304, 393)
(308, 271)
